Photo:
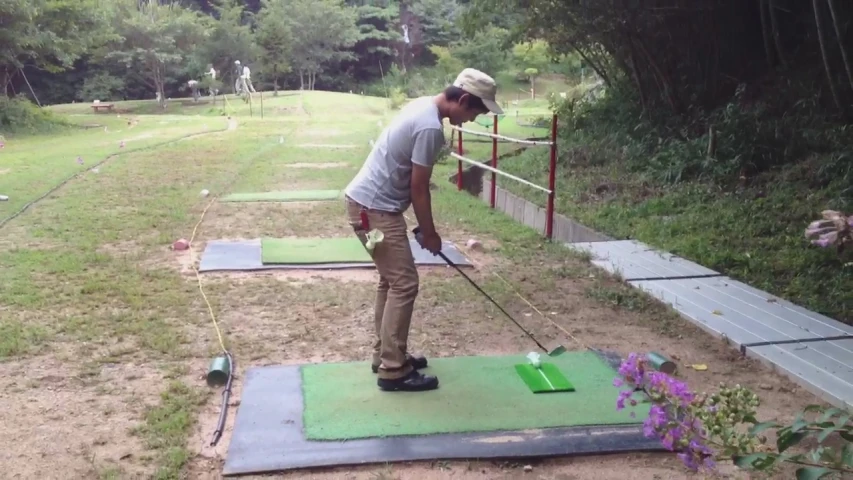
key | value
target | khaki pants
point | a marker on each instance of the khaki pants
(397, 289)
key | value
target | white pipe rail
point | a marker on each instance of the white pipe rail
(486, 167)
(501, 137)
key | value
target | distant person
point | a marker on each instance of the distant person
(247, 79)
(193, 84)
(212, 73)
(396, 175)
(238, 74)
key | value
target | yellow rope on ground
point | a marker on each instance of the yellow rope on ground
(540, 313)
(198, 275)
(560, 327)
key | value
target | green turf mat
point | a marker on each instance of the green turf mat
(547, 378)
(285, 196)
(311, 251)
(476, 394)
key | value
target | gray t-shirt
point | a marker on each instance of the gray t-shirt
(415, 136)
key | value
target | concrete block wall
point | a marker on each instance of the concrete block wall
(528, 213)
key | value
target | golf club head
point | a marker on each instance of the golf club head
(556, 351)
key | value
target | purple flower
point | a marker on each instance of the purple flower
(623, 395)
(826, 239)
(670, 418)
(688, 461)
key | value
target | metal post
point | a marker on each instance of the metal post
(552, 180)
(459, 164)
(494, 164)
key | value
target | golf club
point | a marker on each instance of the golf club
(558, 350)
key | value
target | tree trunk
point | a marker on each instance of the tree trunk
(764, 6)
(596, 68)
(840, 37)
(824, 54)
(533, 87)
(667, 86)
(159, 86)
(635, 71)
(777, 37)
(301, 79)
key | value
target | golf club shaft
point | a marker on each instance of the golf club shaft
(417, 232)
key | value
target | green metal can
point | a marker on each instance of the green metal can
(217, 374)
(661, 363)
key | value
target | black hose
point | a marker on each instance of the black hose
(226, 394)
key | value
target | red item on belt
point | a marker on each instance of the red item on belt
(365, 224)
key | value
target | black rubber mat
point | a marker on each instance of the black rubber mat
(246, 256)
(268, 436)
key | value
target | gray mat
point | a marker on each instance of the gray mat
(246, 256)
(268, 437)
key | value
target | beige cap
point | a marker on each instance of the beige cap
(481, 85)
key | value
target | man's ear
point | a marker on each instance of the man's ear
(463, 100)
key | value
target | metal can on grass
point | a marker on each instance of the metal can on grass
(661, 363)
(218, 372)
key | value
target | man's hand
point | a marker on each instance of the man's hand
(422, 205)
(430, 242)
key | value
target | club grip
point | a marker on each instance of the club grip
(417, 232)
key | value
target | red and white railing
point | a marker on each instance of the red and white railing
(552, 173)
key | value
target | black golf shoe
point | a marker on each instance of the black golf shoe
(417, 362)
(413, 382)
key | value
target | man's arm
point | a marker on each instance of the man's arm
(421, 198)
(424, 155)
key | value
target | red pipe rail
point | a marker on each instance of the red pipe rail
(552, 167)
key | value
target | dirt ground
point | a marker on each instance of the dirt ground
(291, 317)
(101, 337)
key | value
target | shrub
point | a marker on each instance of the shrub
(705, 428)
(20, 115)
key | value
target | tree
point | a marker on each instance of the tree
(230, 38)
(48, 35)
(438, 20)
(156, 38)
(322, 30)
(531, 60)
(446, 64)
(484, 51)
(275, 38)
(377, 37)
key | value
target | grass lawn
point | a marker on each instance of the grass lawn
(754, 235)
(105, 338)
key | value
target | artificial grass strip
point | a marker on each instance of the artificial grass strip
(313, 251)
(547, 378)
(475, 394)
(284, 196)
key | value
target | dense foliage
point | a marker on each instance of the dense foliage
(137, 49)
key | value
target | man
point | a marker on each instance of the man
(238, 74)
(396, 175)
(247, 79)
(212, 73)
(193, 84)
